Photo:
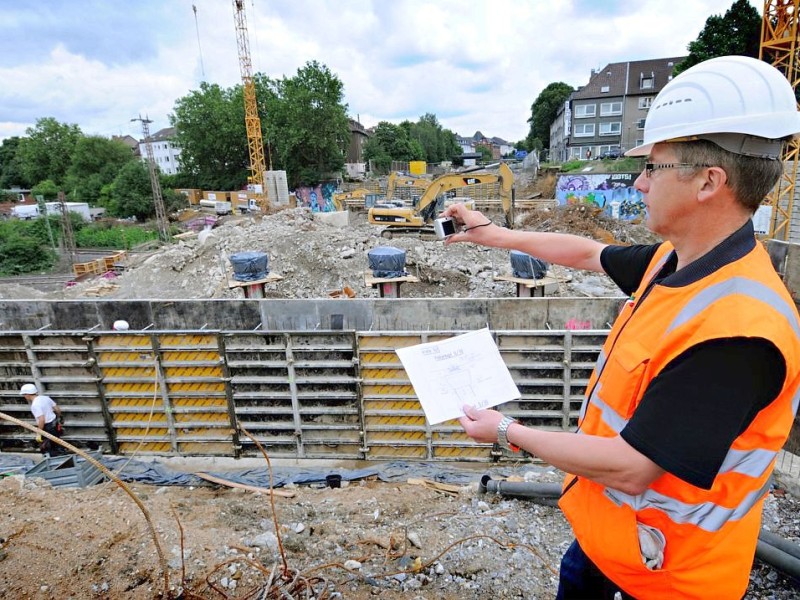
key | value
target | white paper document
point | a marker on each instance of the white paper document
(465, 369)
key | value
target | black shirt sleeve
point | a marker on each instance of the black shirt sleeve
(627, 265)
(699, 403)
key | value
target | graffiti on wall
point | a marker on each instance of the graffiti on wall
(613, 192)
(318, 198)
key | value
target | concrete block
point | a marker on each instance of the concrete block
(340, 218)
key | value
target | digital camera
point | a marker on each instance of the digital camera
(444, 227)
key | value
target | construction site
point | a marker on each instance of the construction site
(238, 421)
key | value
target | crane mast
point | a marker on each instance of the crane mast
(255, 145)
(779, 47)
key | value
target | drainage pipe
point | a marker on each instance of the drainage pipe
(772, 549)
(542, 493)
(783, 561)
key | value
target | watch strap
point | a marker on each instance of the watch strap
(502, 434)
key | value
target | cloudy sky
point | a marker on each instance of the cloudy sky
(475, 64)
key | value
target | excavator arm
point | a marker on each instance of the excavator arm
(410, 219)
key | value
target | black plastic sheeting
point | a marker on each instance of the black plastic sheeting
(250, 266)
(387, 262)
(154, 472)
(526, 266)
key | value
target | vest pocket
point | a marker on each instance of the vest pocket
(623, 377)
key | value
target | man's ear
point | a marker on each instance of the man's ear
(713, 180)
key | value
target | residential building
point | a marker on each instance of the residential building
(354, 161)
(608, 113)
(130, 141)
(166, 153)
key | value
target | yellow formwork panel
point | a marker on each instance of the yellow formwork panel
(123, 341)
(388, 421)
(221, 418)
(393, 436)
(211, 387)
(157, 447)
(180, 402)
(377, 452)
(156, 418)
(384, 342)
(460, 453)
(206, 448)
(156, 433)
(210, 432)
(188, 341)
(369, 358)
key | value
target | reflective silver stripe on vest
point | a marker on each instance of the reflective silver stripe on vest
(747, 462)
(795, 401)
(735, 285)
(706, 515)
(598, 368)
(610, 417)
(657, 267)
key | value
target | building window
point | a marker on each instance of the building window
(640, 124)
(584, 129)
(605, 89)
(585, 110)
(610, 128)
(639, 142)
(644, 103)
(608, 148)
(647, 82)
(608, 109)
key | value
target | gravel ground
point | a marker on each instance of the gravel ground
(386, 538)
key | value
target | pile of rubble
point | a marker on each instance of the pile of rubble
(315, 258)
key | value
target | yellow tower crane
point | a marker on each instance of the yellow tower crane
(779, 47)
(255, 145)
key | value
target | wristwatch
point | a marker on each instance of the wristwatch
(502, 434)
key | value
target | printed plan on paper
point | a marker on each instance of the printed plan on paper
(466, 369)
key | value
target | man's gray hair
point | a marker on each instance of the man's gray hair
(751, 178)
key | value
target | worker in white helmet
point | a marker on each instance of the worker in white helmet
(695, 389)
(48, 418)
(121, 325)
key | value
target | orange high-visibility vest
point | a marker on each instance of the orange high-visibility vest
(711, 535)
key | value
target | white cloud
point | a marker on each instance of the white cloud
(477, 65)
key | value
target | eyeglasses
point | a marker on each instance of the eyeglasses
(650, 167)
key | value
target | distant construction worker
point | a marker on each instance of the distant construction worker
(696, 388)
(120, 325)
(48, 418)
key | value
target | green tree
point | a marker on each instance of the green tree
(306, 123)
(210, 130)
(131, 194)
(737, 32)
(391, 142)
(543, 113)
(45, 188)
(486, 153)
(437, 143)
(10, 172)
(96, 161)
(47, 151)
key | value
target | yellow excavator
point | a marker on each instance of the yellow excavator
(416, 219)
(398, 180)
(340, 199)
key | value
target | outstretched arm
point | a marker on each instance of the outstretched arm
(610, 461)
(559, 248)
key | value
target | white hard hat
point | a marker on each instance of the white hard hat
(742, 104)
(121, 326)
(28, 389)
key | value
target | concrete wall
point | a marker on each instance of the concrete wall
(309, 315)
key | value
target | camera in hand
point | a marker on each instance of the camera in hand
(444, 227)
